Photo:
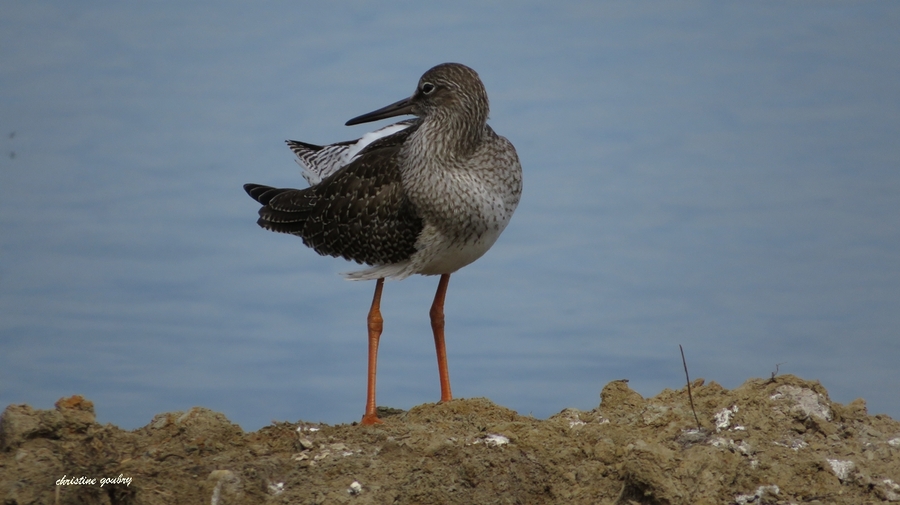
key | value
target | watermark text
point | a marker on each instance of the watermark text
(92, 481)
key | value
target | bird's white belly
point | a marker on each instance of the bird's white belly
(438, 255)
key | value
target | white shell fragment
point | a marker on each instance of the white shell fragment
(723, 417)
(495, 440)
(276, 488)
(761, 492)
(807, 403)
(841, 468)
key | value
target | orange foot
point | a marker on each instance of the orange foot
(370, 419)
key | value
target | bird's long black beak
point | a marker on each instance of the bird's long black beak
(400, 108)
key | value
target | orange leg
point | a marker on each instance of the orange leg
(375, 324)
(437, 326)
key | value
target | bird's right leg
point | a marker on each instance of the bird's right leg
(375, 324)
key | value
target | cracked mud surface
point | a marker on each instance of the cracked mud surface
(766, 442)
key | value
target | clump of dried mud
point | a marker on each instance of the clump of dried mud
(768, 441)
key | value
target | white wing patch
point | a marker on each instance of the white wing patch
(317, 164)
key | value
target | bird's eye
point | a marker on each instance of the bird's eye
(427, 88)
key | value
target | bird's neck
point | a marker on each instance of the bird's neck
(448, 138)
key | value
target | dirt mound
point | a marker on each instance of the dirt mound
(768, 441)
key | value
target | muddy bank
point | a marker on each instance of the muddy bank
(768, 441)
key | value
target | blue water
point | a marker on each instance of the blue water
(721, 176)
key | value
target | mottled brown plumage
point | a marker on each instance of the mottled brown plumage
(360, 212)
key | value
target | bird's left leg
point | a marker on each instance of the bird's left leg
(437, 326)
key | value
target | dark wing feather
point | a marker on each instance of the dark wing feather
(360, 212)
